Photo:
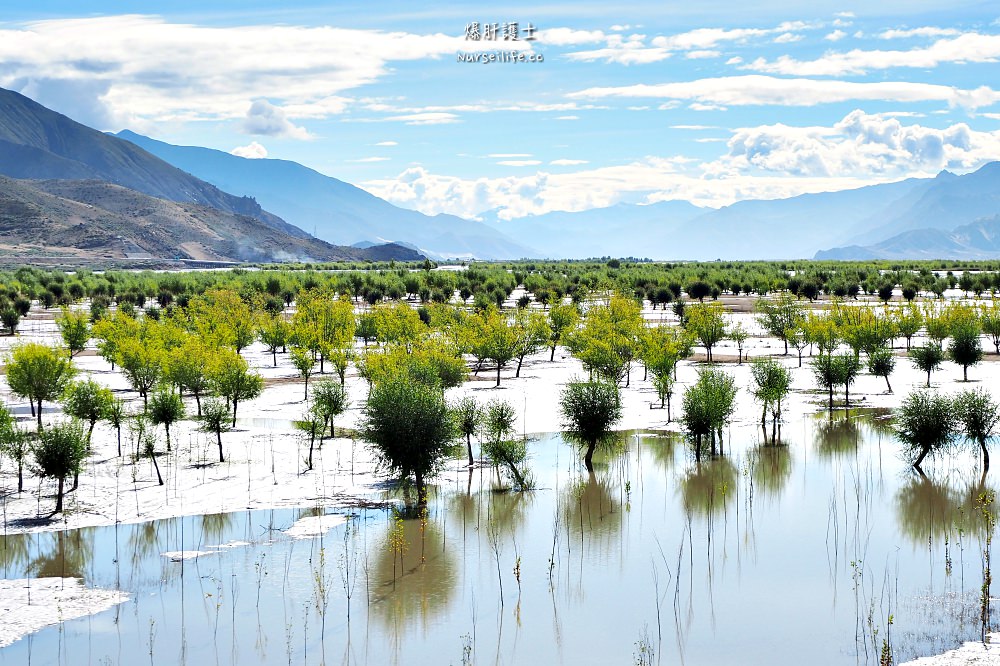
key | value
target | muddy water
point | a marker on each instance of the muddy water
(788, 554)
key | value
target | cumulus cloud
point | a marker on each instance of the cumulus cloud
(253, 151)
(966, 48)
(919, 32)
(764, 162)
(153, 69)
(766, 90)
(835, 36)
(266, 119)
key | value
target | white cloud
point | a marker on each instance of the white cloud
(387, 143)
(702, 54)
(567, 117)
(158, 70)
(767, 90)
(919, 32)
(569, 36)
(519, 163)
(967, 48)
(565, 162)
(859, 145)
(835, 36)
(263, 118)
(735, 60)
(765, 162)
(430, 118)
(253, 151)
(701, 106)
(787, 38)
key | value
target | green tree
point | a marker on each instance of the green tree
(589, 410)
(563, 318)
(74, 327)
(59, 452)
(966, 348)
(166, 408)
(925, 422)
(274, 333)
(881, 363)
(827, 373)
(410, 427)
(609, 339)
(739, 335)
(304, 362)
(779, 316)
(330, 400)
(312, 423)
(11, 318)
(706, 323)
(531, 333)
(230, 377)
(14, 443)
(215, 418)
(186, 367)
(708, 407)
(142, 363)
(500, 341)
(501, 444)
(39, 373)
(977, 415)
(771, 383)
(115, 415)
(87, 401)
(469, 419)
(927, 358)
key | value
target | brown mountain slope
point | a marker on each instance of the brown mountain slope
(90, 218)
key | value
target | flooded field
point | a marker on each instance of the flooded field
(825, 548)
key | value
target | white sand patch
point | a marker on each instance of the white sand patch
(969, 653)
(178, 555)
(30, 604)
(314, 526)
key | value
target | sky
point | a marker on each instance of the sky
(638, 102)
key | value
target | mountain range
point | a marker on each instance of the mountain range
(333, 210)
(71, 188)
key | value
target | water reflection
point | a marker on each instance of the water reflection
(770, 468)
(709, 487)
(933, 509)
(837, 436)
(69, 555)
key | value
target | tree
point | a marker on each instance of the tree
(304, 362)
(59, 452)
(39, 373)
(881, 363)
(115, 415)
(925, 421)
(908, 322)
(87, 401)
(149, 450)
(312, 423)
(977, 415)
(142, 363)
(708, 406)
(589, 410)
(779, 316)
(699, 289)
(531, 332)
(705, 322)
(215, 418)
(501, 444)
(75, 330)
(609, 339)
(186, 367)
(927, 358)
(827, 373)
(739, 335)
(14, 443)
(274, 333)
(230, 377)
(966, 348)
(563, 318)
(330, 400)
(410, 427)
(10, 318)
(500, 341)
(166, 408)
(468, 419)
(771, 383)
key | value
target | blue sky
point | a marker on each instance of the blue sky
(710, 102)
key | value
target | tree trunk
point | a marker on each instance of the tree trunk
(321, 359)
(588, 458)
(59, 496)
(156, 466)
(20, 475)
(312, 441)
(421, 491)
(552, 356)
(923, 453)
(119, 429)
(498, 373)
(468, 444)
(167, 427)
(234, 412)
(831, 397)
(697, 448)
(668, 409)
(847, 395)
(785, 340)
(520, 360)
(928, 379)
(965, 373)
(986, 456)
(800, 358)
(197, 399)
(37, 413)
(90, 433)
(218, 436)
(763, 416)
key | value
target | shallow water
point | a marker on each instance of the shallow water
(770, 555)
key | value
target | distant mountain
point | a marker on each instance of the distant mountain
(332, 209)
(36, 142)
(92, 219)
(622, 230)
(978, 240)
